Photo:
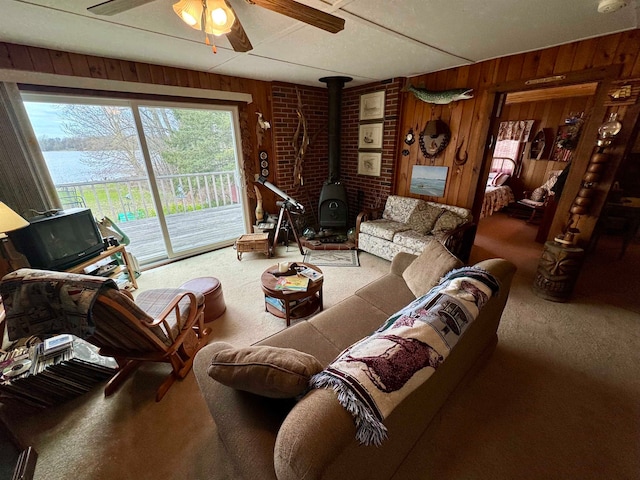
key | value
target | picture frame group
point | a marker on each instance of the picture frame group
(371, 133)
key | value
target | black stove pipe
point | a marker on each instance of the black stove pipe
(334, 86)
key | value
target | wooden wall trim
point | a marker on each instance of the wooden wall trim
(52, 79)
(568, 78)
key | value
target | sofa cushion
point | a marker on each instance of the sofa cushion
(424, 218)
(273, 372)
(377, 246)
(399, 209)
(306, 338)
(431, 265)
(389, 293)
(447, 221)
(348, 321)
(413, 240)
(382, 228)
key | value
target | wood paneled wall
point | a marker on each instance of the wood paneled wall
(548, 116)
(469, 119)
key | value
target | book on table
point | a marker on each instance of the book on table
(292, 282)
(280, 305)
(311, 274)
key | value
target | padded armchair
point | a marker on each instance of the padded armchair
(162, 325)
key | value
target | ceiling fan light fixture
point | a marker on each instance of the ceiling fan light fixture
(222, 17)
(188, 19)
(218, 19)
(190, 12)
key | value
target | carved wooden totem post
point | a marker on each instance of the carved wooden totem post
(558, 271)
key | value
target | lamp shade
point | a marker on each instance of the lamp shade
(218, 20)
(10, 220)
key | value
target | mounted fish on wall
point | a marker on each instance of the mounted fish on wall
(443, 97)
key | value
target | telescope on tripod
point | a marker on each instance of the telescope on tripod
(287, 204)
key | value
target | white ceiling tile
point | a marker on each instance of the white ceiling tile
(382, 38)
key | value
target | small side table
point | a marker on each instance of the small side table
(558, 271)
(253, 242)
(295, 304)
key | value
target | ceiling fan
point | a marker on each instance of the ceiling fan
(237, 36)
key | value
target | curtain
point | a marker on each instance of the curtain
(25, 183)
(511, 137)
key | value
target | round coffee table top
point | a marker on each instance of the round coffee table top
(269, 281)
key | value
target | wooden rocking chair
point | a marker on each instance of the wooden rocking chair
(162, 325)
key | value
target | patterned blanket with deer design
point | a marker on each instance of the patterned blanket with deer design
(374, 375)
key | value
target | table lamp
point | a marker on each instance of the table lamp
(10, 221)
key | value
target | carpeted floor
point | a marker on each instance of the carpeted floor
(558, 399)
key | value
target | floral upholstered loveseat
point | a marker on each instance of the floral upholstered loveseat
(410, 224)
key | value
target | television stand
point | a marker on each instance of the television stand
(109, 252)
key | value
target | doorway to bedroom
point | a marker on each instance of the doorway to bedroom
(537, 133)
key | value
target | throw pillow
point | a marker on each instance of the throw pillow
(429, 267)
(539, 194)
(447, 221)
(263, 370)
(500, 179)
(423, 220)
(491, 178)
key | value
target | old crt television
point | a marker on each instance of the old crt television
(60, 241)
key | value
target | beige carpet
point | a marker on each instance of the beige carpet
(558, 399)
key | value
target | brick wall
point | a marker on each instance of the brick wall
(366, 191)
(363, 191)
(315, 167)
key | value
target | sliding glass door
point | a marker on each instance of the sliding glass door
(165, 176)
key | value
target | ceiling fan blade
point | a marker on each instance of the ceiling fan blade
(304, 13)
(237, 36)
(112, 7)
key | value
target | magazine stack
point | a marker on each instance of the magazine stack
(53, 371)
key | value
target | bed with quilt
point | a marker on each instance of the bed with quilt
(498, 194)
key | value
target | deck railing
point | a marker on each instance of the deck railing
(130, 199)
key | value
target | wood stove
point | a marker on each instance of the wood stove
(332, 206)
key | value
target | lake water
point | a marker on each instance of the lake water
(433, 187)
(66, 167)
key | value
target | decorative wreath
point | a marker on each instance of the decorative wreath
(434, 138)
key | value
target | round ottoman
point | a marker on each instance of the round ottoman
(211, 288)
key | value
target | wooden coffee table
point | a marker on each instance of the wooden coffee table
(294, 304)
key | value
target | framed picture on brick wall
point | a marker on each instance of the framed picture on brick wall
(370, 135)
(369, 163)
(372, 106)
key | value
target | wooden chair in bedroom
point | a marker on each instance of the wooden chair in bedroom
(162, 325)
(535, 202)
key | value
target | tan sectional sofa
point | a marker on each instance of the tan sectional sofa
(410, 224)
(314, 438)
